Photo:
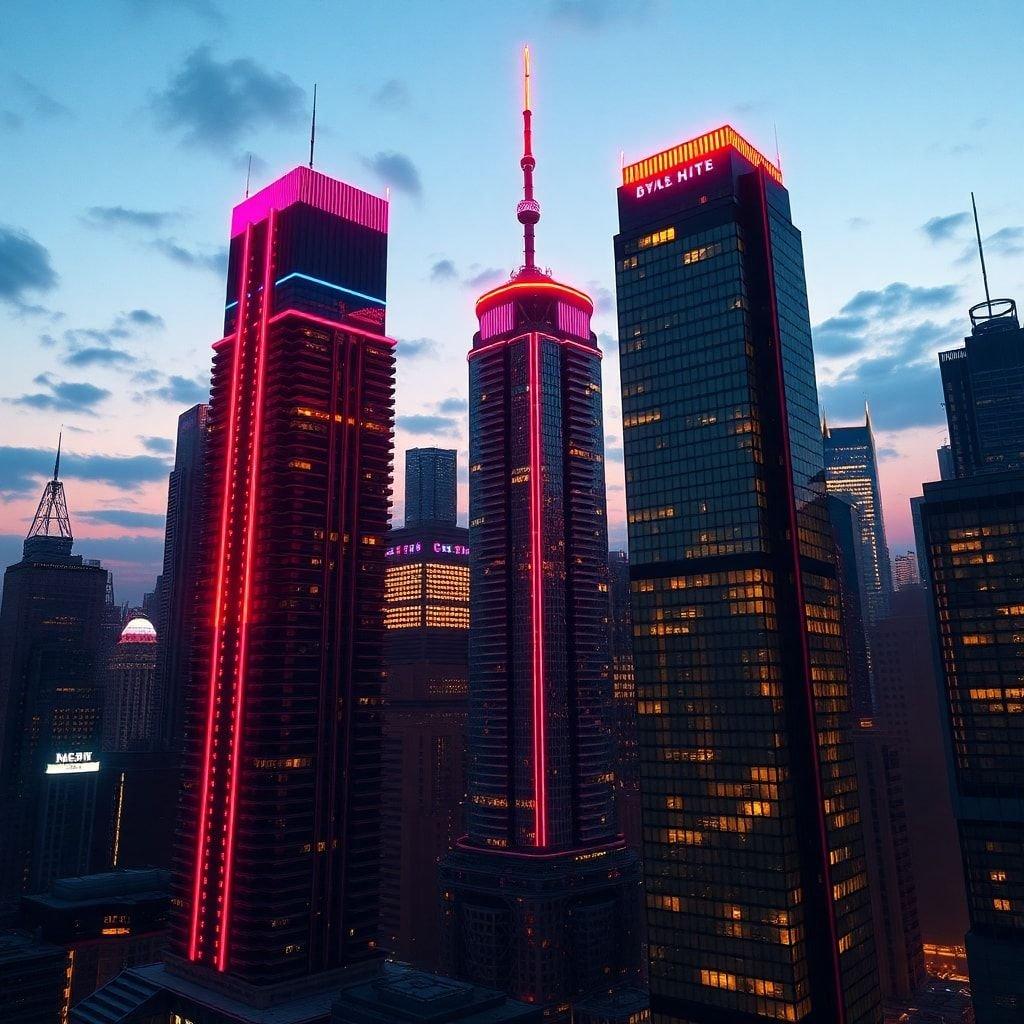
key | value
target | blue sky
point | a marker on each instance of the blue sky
(125, 127)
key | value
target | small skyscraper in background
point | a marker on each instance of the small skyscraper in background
(177, 583)
(430, 486)
(758, 906)
(540, 897)
(905, 570)
(51, 705)
(130, 704)
(426, 687)
(851, 468)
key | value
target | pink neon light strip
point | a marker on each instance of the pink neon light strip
(304, 185)
(573, 320)
(497, 320)
(256, 451)
(218, 622)
(537, 596)
(333, 324)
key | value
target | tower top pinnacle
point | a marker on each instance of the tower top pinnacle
(50, 532)
(528, 210)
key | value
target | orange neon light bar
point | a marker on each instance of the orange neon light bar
(694, 150)
(514, 287)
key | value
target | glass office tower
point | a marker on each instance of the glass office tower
(540, 897)
(430, 486)
(757, 896)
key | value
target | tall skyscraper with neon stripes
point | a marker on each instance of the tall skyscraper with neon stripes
(539, 896)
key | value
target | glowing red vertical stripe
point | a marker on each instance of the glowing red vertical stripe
(218, 622)
(537, 595)
(250, 532)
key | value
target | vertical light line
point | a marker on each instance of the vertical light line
(250, 532)
(243, 303)
(117, 820)
(536, 569)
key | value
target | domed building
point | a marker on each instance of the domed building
(131, 704)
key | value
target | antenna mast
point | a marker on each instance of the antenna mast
(981, 254)
(248, 175)
(528, 210)
(312, 129)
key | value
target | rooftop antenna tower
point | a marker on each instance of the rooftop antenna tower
(312, 129)
(981, 253)
(50, 531)
(248, 176)
(528, 210)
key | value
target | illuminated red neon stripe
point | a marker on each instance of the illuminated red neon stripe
(491, 346)
(533, 286)
(332, 323)
(537, 596)
(256, 450)
(218, 623)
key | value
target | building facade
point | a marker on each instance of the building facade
(983, 392)
(426, 654)
(51, 705)
(905, 570)
(540, 895)
(131, 703)
(430, 486)
(851, 469)
(756, 884)
(974, 532)
(35, 980)
(176, 588)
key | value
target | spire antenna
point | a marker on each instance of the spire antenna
(981, 254)
(248, 176)
(56, 462)
(528, 210)
(312, 129)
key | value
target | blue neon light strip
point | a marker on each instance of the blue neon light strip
(328, 284)
(230, 304)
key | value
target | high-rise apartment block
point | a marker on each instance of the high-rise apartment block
(430, 486)
(758, 906)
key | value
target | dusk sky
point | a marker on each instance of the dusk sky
(125, 127)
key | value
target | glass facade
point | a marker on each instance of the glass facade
(430, 487)
(974, 531)
(757, 902)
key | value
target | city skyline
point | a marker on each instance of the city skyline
(129, 254)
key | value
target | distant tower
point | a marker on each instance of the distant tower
(541, 897)
(131, 700)
(51, 642)
(430, 486)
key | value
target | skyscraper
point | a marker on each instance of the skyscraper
(974, 532)
(983, 391)
(540, 895)
(905, 571)
(276, 886)
(430, 487)
(426, 654)
(851, 468)
(756, 884)
(947, 467)
(130, 702)
(51, 638)
(176, 588)
(627, 759)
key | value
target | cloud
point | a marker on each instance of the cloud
(485, 277)
(392, 95)
(179, 390)
(39, 103)
(396, 171)
(10, 121)
(856, 223)
(607, 342)
(443, 270)
(604, 300)
(841, 335)
(454, 404)
(125, 517)
(63, 396)
(144, 318)
(593, 15)
(900, 299)
(158, 445)
(214, 104)
(414, 348)
(22, 470)
(1008, 241)
(24, 267)
(216, 261)
(612, 448)
(423, 423)
(121, 216)
(96, 356)
(942, 229)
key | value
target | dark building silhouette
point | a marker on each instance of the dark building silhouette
(51, 705)
(908, 708)
(430, 486)
(540, 896)
(983, 391)
(974, 532)
(426, 653)
(177, 586)
(104, 923)
(947, 467)
(34, 980)
(756, 882)
(851, 469)
(275, 892)
(131, 702)
(627, 757)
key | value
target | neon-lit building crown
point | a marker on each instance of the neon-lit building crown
(138, 631)
(725, 137)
